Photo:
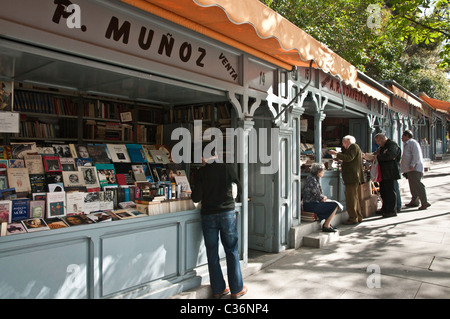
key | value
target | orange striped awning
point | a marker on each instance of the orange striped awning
(253, 28)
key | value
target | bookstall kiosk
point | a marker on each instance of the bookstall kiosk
(152, 256)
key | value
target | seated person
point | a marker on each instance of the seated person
(314, 201)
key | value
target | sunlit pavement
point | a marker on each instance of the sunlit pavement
(407, 256)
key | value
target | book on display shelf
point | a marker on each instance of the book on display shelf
(91, 202)
(55, 223)
(52, 164)
(118, 153)
(136, 153)
(56, 203)
(82, 151)
(75, 203)
(20, 209)
(67, 164)
(73, 179)
(38, 183)
(34, 164)
(90, 177)
(35, 224)
(18, 178)
(14, 228)
(98, 153)
(100, 216)
(5, 211)
(62, 150)
(19, 150)
(76, 220)
(3, 182)
(37, 209)
(106, 175)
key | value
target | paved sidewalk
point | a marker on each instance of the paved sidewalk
(411, 252)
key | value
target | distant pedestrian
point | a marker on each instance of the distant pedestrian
(213, 187)
(315, 201)
(412, 166)
(353, 176)
(388, 157)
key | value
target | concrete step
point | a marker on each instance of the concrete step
(320, 239)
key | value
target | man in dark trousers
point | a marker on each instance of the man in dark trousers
(388, 157)
(213, 187)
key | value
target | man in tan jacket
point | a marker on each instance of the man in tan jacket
(352, 175)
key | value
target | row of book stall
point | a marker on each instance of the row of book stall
(88, 180)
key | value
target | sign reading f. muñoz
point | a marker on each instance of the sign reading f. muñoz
(258, 146)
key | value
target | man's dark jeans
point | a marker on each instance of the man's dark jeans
(224, 224)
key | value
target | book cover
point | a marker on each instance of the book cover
(8, 193)
(73, 179)
(3, 182)
(75, 203)
(73, 151)
(184, 182)
(38, 183)
(5, 152)
(89, 176)
(160, 157)
(91, 202)
(119, 153)
(37, 209)
(63, 150)
(99, 217)
(136, 153)
(39, 196)
(55, 223)
(5, 211)
(56, 203)
(15, 228)
(34, 224)
(20, 208)
(124, 173)
(4, 164)
(19, 150)
(106, 199)
(55, 187)
(148, 155)
(82, 151)
(76, 220)
(19, 179)
(16, 163)
(45, 150)
(51, 163)
(139, 173)
(34, 164)
(98, 153)
(162, 174)
(67, 164)
(106, 175)
(123, 214)
(83, 162)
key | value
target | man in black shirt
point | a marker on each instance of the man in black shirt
(388, 157)
(213, 187)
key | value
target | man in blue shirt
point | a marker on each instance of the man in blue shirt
(412, 165)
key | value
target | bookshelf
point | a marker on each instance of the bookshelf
(76, 117)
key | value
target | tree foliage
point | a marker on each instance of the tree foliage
(405, 41)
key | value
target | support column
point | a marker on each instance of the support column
(318, 119)
(243, 148)
(319, 116)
